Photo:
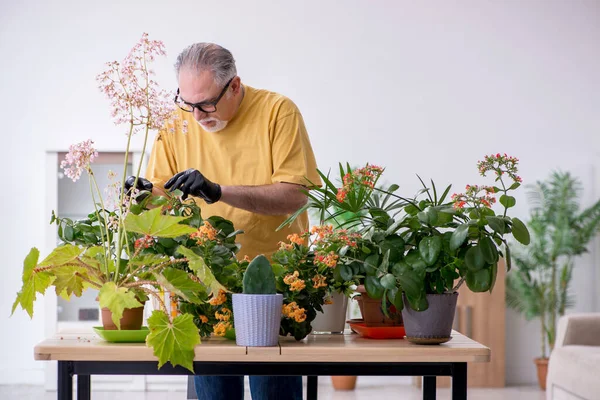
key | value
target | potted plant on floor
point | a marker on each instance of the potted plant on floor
(109, 250)
(560, 232)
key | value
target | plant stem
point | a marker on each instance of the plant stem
(458, 285)
(553, 304)
(77, 274)
(105, 243)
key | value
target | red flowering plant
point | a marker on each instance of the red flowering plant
(425, 244)
(305, 267)
(130, 246)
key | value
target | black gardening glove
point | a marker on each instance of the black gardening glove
(142, 184)
(192, 182)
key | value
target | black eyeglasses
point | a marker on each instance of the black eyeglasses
(205, 106)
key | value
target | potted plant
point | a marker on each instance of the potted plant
(257, 310)
(414, 250)
(560, 232)
(114, 249)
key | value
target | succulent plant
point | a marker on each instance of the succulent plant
(259, 277)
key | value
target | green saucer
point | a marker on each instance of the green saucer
(123, 336)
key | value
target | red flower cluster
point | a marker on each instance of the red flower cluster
(366, 176)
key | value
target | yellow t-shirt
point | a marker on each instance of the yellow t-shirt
(266, 142)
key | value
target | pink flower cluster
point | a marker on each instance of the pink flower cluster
(475, 195)
(366, 176)
(135, 97)
(79, 157)
(500, 164)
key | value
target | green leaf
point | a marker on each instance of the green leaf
(489, 250)
(414, 259)
(507, 201)
(474, 258)
(497, 224)
(429, 248)
(179, 282)
(68, 281)
(458, 236)
(411, 210)
(153, 223)
(346, 272)
(371, 263)
(514, 186)
(33, 282)
(388, 281)
(202, 271)
(479, 281)
(395, 297)
(520, 231)
(373, 287)
(61, 255)
(418, 303)
(117, 299)
(175, 341)
(508, 258)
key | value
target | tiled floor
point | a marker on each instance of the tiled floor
(368, 388)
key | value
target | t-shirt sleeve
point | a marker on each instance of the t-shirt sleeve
(161, 165)
(293, 157)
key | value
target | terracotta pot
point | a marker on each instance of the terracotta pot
(343, 382)
(371, 310)
(131, 321)
(542, 371)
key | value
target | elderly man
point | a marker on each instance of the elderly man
(245, 157)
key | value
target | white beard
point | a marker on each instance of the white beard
(219, 125)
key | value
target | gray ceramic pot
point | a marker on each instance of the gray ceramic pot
(434, 325)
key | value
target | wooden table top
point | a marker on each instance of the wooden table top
(314, 348)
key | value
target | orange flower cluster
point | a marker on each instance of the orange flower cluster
(218, 299)
(328, 300)
(224, 315)
(221, 328)
(205, 233)
(296, 284)
(319, 281)
(476, 195)
(366, 176)
(329, 260)
(203, 318)
(296, 239)
(322, 231)
(293, 311)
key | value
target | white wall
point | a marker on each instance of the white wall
(419, 87)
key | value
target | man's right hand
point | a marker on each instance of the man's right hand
(142, 184)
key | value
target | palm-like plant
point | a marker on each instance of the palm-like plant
(560, 231)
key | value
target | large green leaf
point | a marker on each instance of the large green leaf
(458, 236)
(489, 250)
(373, 287)
(180, 283)
(33, 282)
(388, 281)
(62, 255)
(507, 201)
(202, 271)
(175, 341)
(520, 231)
(497, 224)
(479, 281)
(153, 223)
(474, 258)
(68, 281)
(117, 299)
(429, 248)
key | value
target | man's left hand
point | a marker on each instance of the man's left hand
(192, 182)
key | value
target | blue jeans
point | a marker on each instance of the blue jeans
(261, 387)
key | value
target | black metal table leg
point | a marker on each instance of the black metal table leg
(429, 386)
(459, 381)
(83, 387)
(65, 381)
(312, 384)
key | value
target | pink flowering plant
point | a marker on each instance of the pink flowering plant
(130, 246)
(426, 244)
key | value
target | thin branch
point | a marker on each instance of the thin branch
(139, 283)
(77, 274)
(458, 285)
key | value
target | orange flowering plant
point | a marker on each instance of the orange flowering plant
(305, 266)
(417, 246)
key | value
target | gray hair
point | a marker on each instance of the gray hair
(208, 57)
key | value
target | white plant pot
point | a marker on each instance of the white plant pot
(333, 317)
(257, 318)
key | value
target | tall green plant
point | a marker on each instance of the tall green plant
(560, 231)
